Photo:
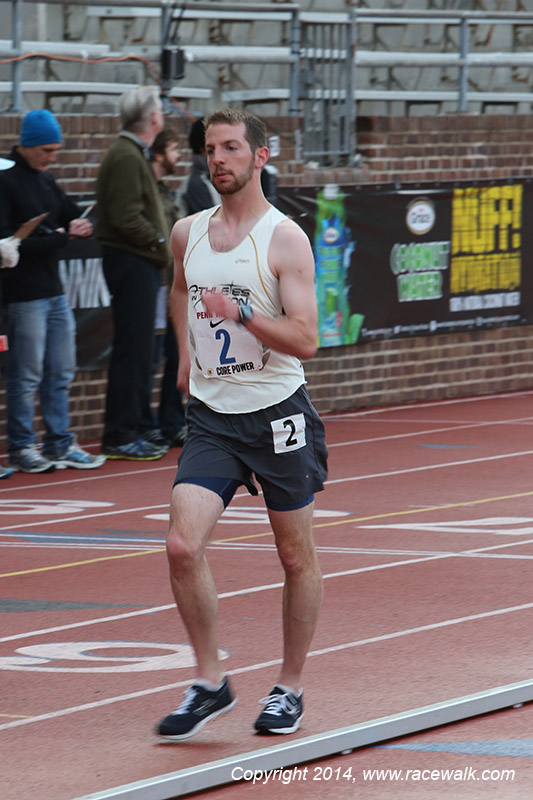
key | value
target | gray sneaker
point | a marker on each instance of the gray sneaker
(29, 459)
(78, 458)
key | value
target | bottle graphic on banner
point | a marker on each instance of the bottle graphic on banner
(333, 248)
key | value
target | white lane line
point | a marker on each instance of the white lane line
(262, 588)
(391, 473)
(427, 432)
(58, 520)
(77, 539)
(224, 595)
(336, 418)
(431, 404)
(444, 465)
(362, 551)
(111, 512)
(272, 548)
(448, 421)
(83, 478)
(78, 546)
(254, 667)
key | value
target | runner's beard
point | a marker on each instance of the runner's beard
(238, 183)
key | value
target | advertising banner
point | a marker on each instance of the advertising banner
(391, 261)
(407, 261)
(80, 268)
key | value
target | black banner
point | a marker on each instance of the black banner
(406, 261)
(391, 261)
(80, 267)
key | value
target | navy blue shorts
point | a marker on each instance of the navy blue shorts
(282, 446)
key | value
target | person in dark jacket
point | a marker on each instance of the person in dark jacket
(198, 192)
(134, 239)
(9, 247)
(41, 327)
(9, 257)
(170, 423)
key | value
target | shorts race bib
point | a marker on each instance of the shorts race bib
(288, 433)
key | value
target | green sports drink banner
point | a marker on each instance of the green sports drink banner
(412, 260)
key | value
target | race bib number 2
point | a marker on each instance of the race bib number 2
(226, 348)
(288, 433)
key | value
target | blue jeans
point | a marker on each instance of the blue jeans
(42, 356)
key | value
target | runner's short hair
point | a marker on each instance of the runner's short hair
(255, 129)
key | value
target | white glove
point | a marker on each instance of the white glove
(9, 252)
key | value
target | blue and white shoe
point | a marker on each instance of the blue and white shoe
(78, 458)
(5, 472)
(140, 450)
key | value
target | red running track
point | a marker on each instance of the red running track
(425, 538)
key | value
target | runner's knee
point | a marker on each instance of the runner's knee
(295, 559)
(182, 553)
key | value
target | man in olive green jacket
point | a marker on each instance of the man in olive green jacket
(133, 235)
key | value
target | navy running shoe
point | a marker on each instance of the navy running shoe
(198, 707)
(282, 713)
(140, 450)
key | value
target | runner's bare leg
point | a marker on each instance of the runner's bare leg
(194, 511)
(303, 589)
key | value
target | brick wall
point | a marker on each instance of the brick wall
(444, 148)
(422, 368)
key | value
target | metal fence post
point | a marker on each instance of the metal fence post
(351, 106)
(463, 69)
(294, 88)
(16, 70)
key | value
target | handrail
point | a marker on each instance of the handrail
(297, 55)
(165, 4)
(56, 48)
(240, 54)
(243, 14)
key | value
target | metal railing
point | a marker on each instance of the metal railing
(463, 59)
(332, 63)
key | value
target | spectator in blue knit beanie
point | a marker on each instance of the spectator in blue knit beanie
(40, 139)
(41, 327)
(40, 127)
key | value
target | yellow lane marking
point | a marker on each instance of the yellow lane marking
(425, 508)
(79, 563)
(16, 716)
(269, 533)
(388, 514)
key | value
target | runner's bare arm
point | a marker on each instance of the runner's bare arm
(179, 300)
(291, 259)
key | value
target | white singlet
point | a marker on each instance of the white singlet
(232, 372)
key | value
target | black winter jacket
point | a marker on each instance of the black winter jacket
(25, 193)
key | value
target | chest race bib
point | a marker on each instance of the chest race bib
(225, 347)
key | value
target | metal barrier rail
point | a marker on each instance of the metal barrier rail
(166, 12)
(296, 752)
(323, 60)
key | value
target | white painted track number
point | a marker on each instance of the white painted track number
(288, 433)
